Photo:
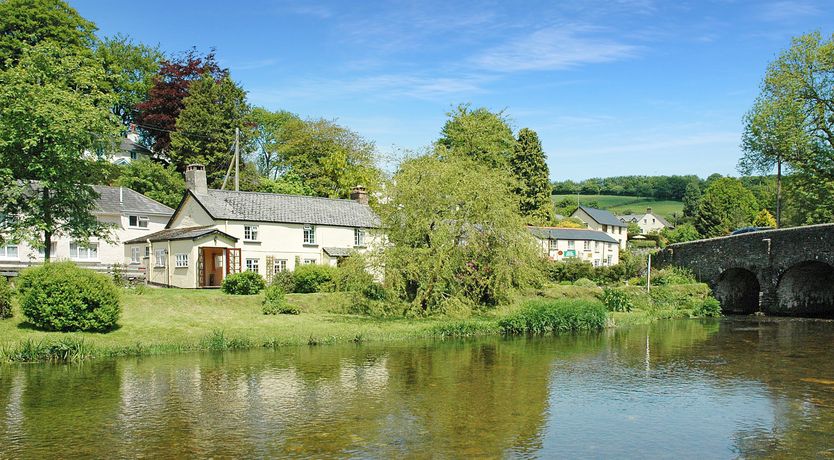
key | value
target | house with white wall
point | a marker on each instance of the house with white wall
(649, 222)
(604, 221)
(130, 214)
(214, 233)
(593, 246)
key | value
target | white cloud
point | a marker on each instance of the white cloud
(787, 10)
(554, 48)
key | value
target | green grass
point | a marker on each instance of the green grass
(621, 204)
(162, 321)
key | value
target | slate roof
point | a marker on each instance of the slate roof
(337, 252)
(112, 201)
(639, 217)
(275, 207)
(603, 217)
(554, 233)
(187, 233)
(127, 146)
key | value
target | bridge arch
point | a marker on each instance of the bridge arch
(806, 289)
(738, 291)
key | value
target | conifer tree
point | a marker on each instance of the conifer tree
(528, 164)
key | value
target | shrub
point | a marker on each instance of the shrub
(673, 275)
(312, 277)
(244, 283)
(615, 300)
(5, 299)
(554, 316)
(275, 302)
(584, 282)
(352, 276)
(285, 280)
(569, 270)
(63, 297)
(710, 307)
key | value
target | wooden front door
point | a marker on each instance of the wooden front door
(211, 266)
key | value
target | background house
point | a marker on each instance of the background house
(132, 216)
(593, 246)
(217, 232)
(604, 221)
(648, 222)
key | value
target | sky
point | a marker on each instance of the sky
(613, 87)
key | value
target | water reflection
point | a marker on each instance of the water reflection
(677, 388)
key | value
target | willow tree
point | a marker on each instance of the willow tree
(455, 236)
(479, 135)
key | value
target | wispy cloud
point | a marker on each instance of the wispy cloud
(667, 144)
(304, 8)
(555, 48)
(255, 64)
(787, 10)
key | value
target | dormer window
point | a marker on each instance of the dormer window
(138, 221)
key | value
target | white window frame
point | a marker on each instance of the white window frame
(140, 220)
(596, 246)
(250, 233)
(135, 255)
(4, 251)
(309, 262)
(159, 258)
(279, 265)
(53, 247)
(587, 245)
(571, 244)
(181, 260)
(610, 259)
(83, 251)
(552, 244)
(359, 237)
(253, 264)
(309, 234)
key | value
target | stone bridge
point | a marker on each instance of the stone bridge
(779, 272)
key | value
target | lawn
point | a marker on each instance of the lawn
(176, 320)
(629, 204)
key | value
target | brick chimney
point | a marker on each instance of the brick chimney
(132, 134)
(648, 210)
(195, 179)
(359, 194)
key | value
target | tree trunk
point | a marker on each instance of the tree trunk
(47, 220)
(47, 249)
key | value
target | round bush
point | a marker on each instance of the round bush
(244, 283)
(584, 282)
(63, 297)
(285, 280)
(312, 277)
(5, 299)
(275, 302)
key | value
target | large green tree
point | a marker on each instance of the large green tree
(54, 106)
(130, 68)
(691, 198)
(158, 182)
(25, 23)
(792, 121)
(269, 136)
(479, 135)
(529, 165)
(725, 206)
(328, 158)
(206, 126)
(455, 236)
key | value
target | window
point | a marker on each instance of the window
(137, 221)
(250, 232)
(159, 255)
(147, 251)
(309, 261)
(83, 251)
(596, 262)
(610, 259)
(596, 246)
(359, 237)
(8, 251)
(571, 244)
(133, 155)
(587, 246)
(280, 265)
(605, 228)
(309, 234)
(135, 255)
(654, 221)
(53, 247)
(181, 261)
(252, 265)
(552, 244)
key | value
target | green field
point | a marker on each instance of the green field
(629, 204)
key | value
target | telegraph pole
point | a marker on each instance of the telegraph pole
(237, 159)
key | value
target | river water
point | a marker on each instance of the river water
(675, 389)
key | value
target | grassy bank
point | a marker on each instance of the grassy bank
(621, 204)
(169, 320)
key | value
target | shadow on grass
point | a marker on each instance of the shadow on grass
(27, 326)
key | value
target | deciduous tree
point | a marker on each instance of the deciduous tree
(130, 68)
(725, 206)
(269, 136)
(54, 105)
(479, 135)
(158, 182)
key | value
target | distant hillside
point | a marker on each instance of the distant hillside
(629, 204)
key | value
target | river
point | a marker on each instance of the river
(736, 387)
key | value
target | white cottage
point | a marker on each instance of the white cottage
(593, 246)
(604, 221)
(131, 214)
(649, 222)
(217, 232)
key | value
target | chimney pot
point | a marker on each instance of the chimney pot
(195, 179)
(359, 194)
(648, 210)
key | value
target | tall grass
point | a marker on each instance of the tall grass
(65, 350)
(543, 316)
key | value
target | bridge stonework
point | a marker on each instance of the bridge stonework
(781, 272)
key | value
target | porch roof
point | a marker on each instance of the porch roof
(187, 233)
(337, 252)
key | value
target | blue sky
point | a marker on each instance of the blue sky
(612, 87)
